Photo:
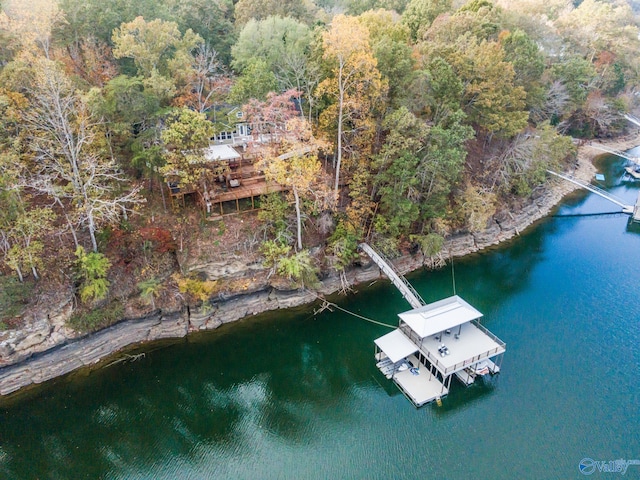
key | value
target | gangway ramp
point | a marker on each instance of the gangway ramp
(617, 153)
(632, 119)
(406, 289)
(626, 208)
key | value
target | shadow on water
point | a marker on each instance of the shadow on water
(633, 227)
(461, 397)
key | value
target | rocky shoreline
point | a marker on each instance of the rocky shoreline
(48, 350)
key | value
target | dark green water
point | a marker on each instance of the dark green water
(293, 396)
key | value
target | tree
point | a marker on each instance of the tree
(271, 40)
(246, 10)
(358, 7)
(578, 77)
(128, 106)
(355, 84)
(527, 60)
(298, 267)
(99, 18)
(301, 74)
(90, 59)
(397, 181)
(149, 290)
(389, 43)
(491, 100)
(255, 83)
(156, 47)
(68, 142)
(211, 19)
(186, 135)
(272, 117)
(420, 14)
(30, 24)
(442, 163)
(438, 91)
(298, 168)
(477, 18)
(596, 26)
(477, 205)
(524, 163)
(207, 83)
(26, 238)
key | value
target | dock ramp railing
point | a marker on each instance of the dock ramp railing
(406, 289)
(626, 208)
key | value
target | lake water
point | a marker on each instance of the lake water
(291, 395)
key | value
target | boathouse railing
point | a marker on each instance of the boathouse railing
(433, 359)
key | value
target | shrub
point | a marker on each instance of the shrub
(85, 321)
(13, 297)
(196, 289)
(93, 269)
(430, 244)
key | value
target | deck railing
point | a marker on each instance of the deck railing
(406, 289)
(460, 365)
(482, 328)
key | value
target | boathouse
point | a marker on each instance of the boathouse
(435, 342)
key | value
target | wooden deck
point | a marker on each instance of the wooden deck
(421, 387)
(241, 192)
(246, 191)
(474, 343)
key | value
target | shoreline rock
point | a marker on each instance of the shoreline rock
(47, 351)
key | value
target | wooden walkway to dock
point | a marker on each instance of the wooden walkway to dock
(408, 292)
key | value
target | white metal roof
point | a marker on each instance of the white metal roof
(220, 152)
(396, 345)
(439, 316)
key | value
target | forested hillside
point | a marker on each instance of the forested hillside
(393, 121)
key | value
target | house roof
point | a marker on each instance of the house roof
(216, 153)
(396, 345)
(439, 316)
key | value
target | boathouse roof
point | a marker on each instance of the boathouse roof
(439, 316)
(396, 345)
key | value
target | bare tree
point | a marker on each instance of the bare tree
(298, 73)
(208, 79)
(555, 103)
(70, 164)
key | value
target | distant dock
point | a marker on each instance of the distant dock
(636, 210)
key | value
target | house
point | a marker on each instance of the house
(234, 130)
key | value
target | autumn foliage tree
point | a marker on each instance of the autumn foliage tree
(185, 137)
(355, 87)
(298, 168)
